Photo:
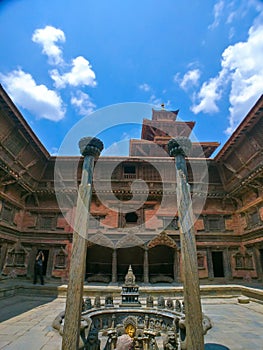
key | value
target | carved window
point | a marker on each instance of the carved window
(16, 257)
(244, 261)
(239, 261)
(170, 223)
(60, 259)
(10, 261)
(7, 214)
(253, 219)
(129, 171)
(214, 223)
(15, 143)
(46, 222)
(20, 257)
(200, 261)
(248, 261)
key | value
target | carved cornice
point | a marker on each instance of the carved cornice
(162, 239)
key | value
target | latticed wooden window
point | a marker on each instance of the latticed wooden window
(214, 223)
(46, 222)
(10, 258)
(7, 214)
(200, 261)
(248, 259)
(239, 261)
(150, 173)
(60, 260)
(20, 257)
(253, 219)
(15, 143)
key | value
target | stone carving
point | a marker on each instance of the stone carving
(129, 327)
(170, 341)
(161, 302)
(109, 301)
(87, 304)
(169, 304)
(97, 303)
(178, 306)
(93, 342)
(149, 301)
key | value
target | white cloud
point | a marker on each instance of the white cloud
(145, 87)
(217, 11)
(242, 66)
(83, 103)
(80, 74)
(37, 99)
(190, 79)
(47, 38)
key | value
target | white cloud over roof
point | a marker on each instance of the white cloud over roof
(242, 68)
(47, 38)
(37, 99)
(81, 74)
(82, 102)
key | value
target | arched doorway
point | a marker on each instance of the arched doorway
(161, 264)
(130, 256)
(98, 264)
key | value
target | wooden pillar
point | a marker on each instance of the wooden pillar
(146, 266)
(89, 148)
(3, 256)
(227, 265)
(210, 263)
(114, 266)
(256, 254)
(176, 266)
(179, 148)
(50, 262)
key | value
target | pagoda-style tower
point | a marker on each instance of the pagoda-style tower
(158, 131)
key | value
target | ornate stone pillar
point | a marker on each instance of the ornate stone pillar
(114, 266)
(146, 266)
(89, 148)
(210, 263)
(179, 148)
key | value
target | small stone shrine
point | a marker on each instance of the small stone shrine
(130, 291)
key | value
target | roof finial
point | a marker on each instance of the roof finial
(163, 105)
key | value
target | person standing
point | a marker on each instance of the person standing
(38, 268)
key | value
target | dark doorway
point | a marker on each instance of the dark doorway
(218, 266)
(130, 256)
(46, 253)
(161, 264)
(98, 264)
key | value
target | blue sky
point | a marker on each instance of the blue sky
(61, 61)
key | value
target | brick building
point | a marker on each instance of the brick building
(227, 189)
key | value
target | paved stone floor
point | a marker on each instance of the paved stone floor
(26, 323)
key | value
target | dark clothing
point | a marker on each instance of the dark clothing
(38, 270)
